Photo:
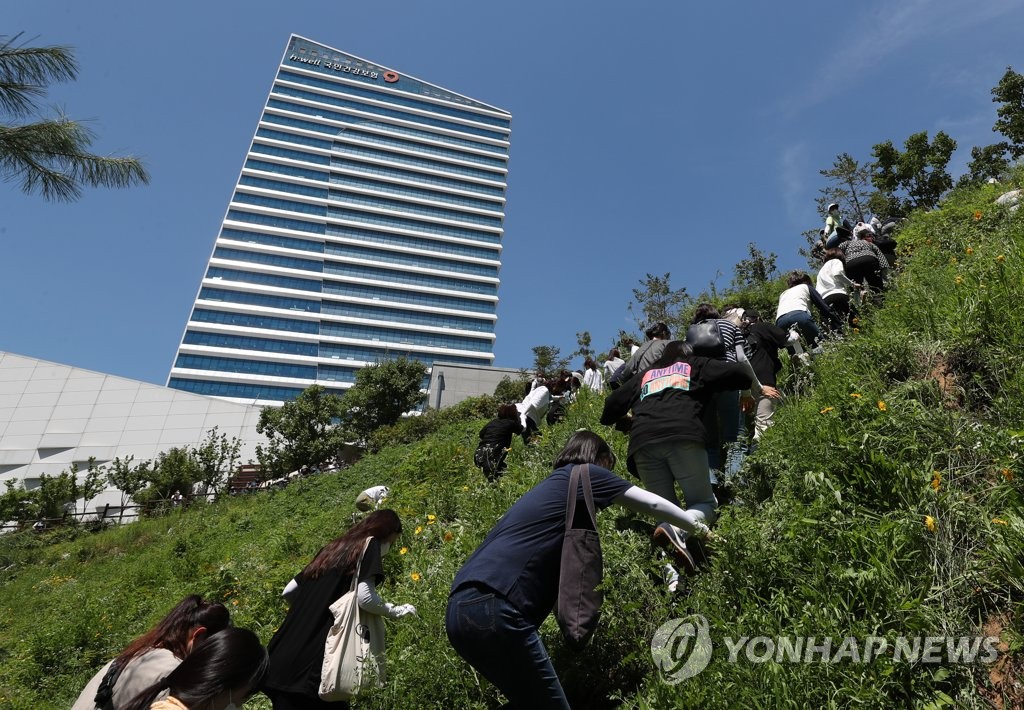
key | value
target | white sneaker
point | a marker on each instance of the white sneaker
(671, 576)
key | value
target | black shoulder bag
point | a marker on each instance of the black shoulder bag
(582, 567)
(706, 339)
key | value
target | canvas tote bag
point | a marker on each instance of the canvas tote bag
(354, 651)
(582, 566)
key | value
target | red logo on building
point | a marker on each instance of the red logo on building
(390, 77)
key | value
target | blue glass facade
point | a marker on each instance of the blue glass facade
(366, 225)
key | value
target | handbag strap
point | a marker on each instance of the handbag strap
(580, 476)
(359, 564)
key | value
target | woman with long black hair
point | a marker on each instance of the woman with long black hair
(154, 655)
(297, 649)
(220, 675)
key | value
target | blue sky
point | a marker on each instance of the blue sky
(646, 137)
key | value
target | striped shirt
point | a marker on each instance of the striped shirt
(731, 337)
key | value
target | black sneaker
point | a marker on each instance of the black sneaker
(668, 538)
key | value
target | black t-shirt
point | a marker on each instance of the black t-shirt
(521, 556)
(668, 402)
(499, 432)
(297, 649)
(765, 340)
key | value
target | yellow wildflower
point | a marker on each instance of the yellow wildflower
(977, 215)
(465, 488)
(855, 395)
(855, 320)
(1007, 474)
(929, 522)
(952, 260)
(415, 576)
(1000, 258)
(881, 405)
(419, 529)
(431, 519)
(856, 330)
(936, 480)
(998, 521)
(448, 537)
(234, 602)
(958, 280)
(927, 241)
(403, 551)
(970, 250)
(826, 410)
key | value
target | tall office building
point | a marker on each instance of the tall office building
(366, 225)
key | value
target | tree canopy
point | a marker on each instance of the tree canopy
(916, 177)
(548, 360)
(50, 156)
(303, 432)
(1010, 122)
(655, 300)
(382, 394)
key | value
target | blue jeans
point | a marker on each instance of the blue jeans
(727, 414)
(493, 637)
(804, 321)
(834, 240)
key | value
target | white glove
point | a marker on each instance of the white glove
(404, 610)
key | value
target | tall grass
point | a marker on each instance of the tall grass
(916, 417)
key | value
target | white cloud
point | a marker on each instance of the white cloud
(888, 29)
(792, 169)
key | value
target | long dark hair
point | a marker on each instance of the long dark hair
(174, 630)
(232, 659)
(585, 447)
(343, 552)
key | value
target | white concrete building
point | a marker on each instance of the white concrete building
(53, 416)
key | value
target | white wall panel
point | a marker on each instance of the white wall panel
(84, 396)
(68, 415)
(117, 396)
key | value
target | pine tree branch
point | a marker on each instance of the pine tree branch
(25, 72)
(51, 158)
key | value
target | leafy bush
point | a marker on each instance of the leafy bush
(415, 428)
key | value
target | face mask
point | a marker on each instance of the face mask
(385, 547)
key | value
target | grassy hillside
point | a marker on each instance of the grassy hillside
(885, 502)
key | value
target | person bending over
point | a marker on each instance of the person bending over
(509, 584)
